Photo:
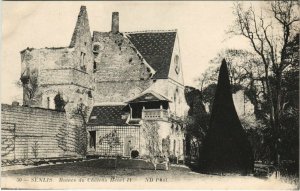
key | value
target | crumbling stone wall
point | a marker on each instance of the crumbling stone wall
(120, 73)
(242, 104)
(117, 59)
(82, 41)
(51, 70)
(119, 91)
(63, 69)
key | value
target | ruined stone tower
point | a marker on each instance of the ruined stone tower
(65, 70)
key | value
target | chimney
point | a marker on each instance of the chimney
(15, 103)
(115, 22)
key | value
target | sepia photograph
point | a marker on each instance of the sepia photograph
(150, 95)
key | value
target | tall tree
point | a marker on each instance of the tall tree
(270, 32)
(196, 122)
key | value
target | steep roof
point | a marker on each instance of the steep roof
(107, 115)
(156, 48)
(81, 27)
(147, 96)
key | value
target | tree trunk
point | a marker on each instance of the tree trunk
(277, 115)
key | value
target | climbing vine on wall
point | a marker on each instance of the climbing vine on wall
(35, 149)
(61, 137)
(150, 132)
(112, 139)
(7, 146)
(81, 140)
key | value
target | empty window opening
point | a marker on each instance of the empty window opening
(48, 102)
(95, 67)
(96, 48)
(82, 59)
(93, 139)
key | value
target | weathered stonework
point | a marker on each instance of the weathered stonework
(108, 67)
(24, 129)
(119, 91)
(67, 70)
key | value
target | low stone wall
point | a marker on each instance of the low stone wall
(28, 133)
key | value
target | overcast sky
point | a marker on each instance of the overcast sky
(201, 27)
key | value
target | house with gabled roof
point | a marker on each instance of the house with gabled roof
(128, 80)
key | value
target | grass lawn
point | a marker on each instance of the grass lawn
(176, 174)
(101, 167)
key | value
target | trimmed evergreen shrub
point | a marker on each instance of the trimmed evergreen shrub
(226, 148)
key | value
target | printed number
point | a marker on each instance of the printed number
(19, 179)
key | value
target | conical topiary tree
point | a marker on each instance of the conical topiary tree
(226, 148)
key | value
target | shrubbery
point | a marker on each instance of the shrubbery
(134, 154)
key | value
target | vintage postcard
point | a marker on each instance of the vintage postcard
(150, 95)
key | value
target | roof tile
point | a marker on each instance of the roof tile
(157, 49)
(107, 115)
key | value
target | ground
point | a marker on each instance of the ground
(100, 174)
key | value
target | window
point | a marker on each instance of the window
(94, 67)
(96, 48)
(90, 94)
(82, 59)
(48, 102)
(93, 139)
(176, 61)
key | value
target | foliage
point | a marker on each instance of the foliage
(150, 132)
(9, 146)
(59, 102)
(134, 154)
(112, 139)
(82, 111)
(166, 146)
(271, 33)
(61, 137)
(225, 146)
(35, 149)
(80, 140)
(29, 83)
(245, 72)
(269, 76)
(80, 131)
(197, 121)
